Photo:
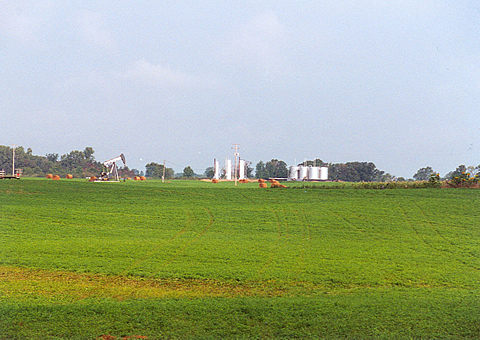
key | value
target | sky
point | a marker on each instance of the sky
(396, 83)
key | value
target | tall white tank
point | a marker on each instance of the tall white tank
(216, 169)
(313, 173)
(303, 172)
(324, 173)
(241, 169)
(228, 169)
(293, 173)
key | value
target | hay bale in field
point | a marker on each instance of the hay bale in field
(93, 179)
(136, 178)
(214, 180)
(49, 176)
(283, 186)
(261, 181)
(262, 185)
(56, 178)
(69, 176)
(142, 178)
(274, 185)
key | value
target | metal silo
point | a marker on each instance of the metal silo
(324, 173)
(228, 169)
(313, 173)
(303, 173)
(293, 173)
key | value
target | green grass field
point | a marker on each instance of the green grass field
(189, 259)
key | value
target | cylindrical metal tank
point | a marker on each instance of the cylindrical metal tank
(216, 168)
(313, 173)
(241, 169)
(293, 173)
(324, 173)
(303, 172)
(228, 169)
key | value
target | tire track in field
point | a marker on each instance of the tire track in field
(269, 261)
(430, 224)
(187, 245)
(347, 221)
(149, 255)
(304, 242)
(421, 237)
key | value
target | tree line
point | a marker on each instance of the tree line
(77, 163)
(82, 163)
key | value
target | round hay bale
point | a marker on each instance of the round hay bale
(56, 178)
(275, 185)
(283, 186)
(261, 181)
(214, 180)
(142, 178)
(69, 176)
(262, 185)
(49, 176)
(136, 178)
(93, 179)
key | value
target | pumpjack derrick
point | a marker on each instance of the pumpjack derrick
(112, 169)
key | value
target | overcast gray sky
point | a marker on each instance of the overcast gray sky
(396, 83)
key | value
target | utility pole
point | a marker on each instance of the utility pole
(163, 175)
(235, 146)
(13, 162)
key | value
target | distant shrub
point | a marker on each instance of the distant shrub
(464, 180)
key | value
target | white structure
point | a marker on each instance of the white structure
(241, 169)
(308, 173)
(324, 173)
(112, 168)
(216, 169)
(228, 169)
(293, 173)
(313, 173)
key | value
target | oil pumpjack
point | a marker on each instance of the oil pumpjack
(112, 169)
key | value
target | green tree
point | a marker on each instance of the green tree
(355, 172)
(276, 169)
(209, 172)
(260, 171)
(423, 174)
(188, 172)
(155, 170)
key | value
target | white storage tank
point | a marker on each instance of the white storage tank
(241, 169)
(228, 169)
(324, 173)
(293, 173)
(313, 173)
(216, 168)
(303, 172)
